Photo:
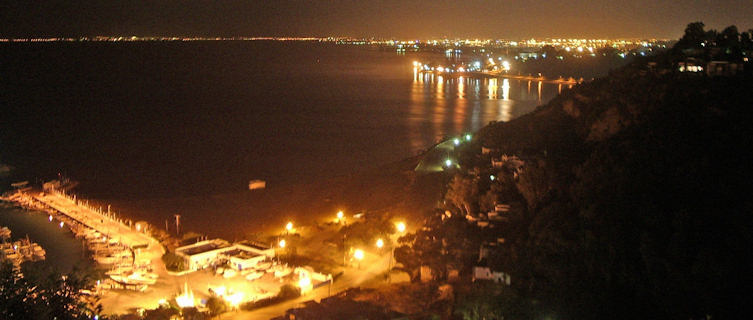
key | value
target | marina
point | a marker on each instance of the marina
(126, 253)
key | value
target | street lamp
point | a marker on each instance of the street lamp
(282, 244)
(289, 227)
(380, 243)
(358, 254)
(400, 227)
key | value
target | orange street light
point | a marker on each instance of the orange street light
(282, 243)
(289, 226)
(400, 227)
(380, 243)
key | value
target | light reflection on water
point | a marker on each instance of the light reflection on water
(459, 104)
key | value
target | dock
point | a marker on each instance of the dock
(145, 248)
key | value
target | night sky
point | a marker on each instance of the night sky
(401, 19)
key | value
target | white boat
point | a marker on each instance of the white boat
(254, 275)
(229, 273)
(38, 251)
(4, 233)
(282, 272)
(135, 278)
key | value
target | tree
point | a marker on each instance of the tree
(216, 306)
(173, 262)
(462, 193)
(55, 296)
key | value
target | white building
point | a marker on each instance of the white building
(210, 253)
(485, 273)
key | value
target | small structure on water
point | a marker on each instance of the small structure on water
(257, 184)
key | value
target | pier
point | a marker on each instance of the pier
(493, 74)
(145, 248)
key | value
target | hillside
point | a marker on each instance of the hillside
(633, 199)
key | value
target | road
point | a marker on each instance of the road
(373, 266)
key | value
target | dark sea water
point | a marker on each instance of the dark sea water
(64, 252)
(172, 119)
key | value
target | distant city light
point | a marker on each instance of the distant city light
(400, 227)
(448, 163)
(282, 243)
(468, 137)
(506, 65)
(289, 226)
(456, 141)
(492, 177)
(380, 243)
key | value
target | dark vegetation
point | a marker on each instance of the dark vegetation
(554, 62)
(633, 202)
(53, 296)
(287, 292)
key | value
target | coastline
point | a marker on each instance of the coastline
(392, 188)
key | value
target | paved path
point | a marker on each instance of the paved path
(145, 247)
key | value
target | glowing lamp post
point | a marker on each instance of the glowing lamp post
(234, 299)
(400, 227)
(282, 244)
(448, 163)
(358, 254)
(340, 216)
(304, 283)
(380, 243)
(289, 227)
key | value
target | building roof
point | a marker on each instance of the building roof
(201, 247)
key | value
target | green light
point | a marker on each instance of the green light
(448, 162)
(456, 141)
(468, 137)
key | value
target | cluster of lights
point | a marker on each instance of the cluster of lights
(475, 66)
(234, 299)
(186, 299)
